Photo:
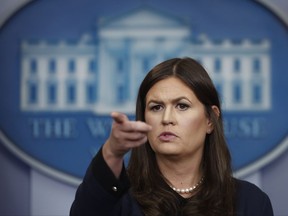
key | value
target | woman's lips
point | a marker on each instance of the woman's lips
(167, 136)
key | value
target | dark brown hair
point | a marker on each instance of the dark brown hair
(216, 194)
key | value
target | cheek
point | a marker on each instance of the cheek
(152, 138)
(197, 124)
(151, 135)
(151, 120)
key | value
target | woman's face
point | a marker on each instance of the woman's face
(178, 119)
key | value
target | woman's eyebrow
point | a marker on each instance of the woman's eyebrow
(174, 100)
(154, 101)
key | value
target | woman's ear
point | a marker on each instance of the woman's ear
(216, 110)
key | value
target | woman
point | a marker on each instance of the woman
(179, 163)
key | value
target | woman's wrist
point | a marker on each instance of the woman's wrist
(114, 161)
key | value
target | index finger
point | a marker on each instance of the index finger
(130, 126)
(119, 117)
(140, 126)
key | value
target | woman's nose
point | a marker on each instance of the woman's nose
(168, 117)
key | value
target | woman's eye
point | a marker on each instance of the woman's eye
(182, 106)
(156, 108)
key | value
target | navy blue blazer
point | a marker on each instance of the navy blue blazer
(103, 194)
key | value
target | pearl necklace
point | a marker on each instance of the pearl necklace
(188, 190)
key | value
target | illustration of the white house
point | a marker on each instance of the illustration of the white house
(103, 72)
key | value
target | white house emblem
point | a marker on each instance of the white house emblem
(64, 84)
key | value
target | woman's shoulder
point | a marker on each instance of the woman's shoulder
(250, 198)
(247, 190)
(246, 187)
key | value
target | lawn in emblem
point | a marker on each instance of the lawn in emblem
(65, 71)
